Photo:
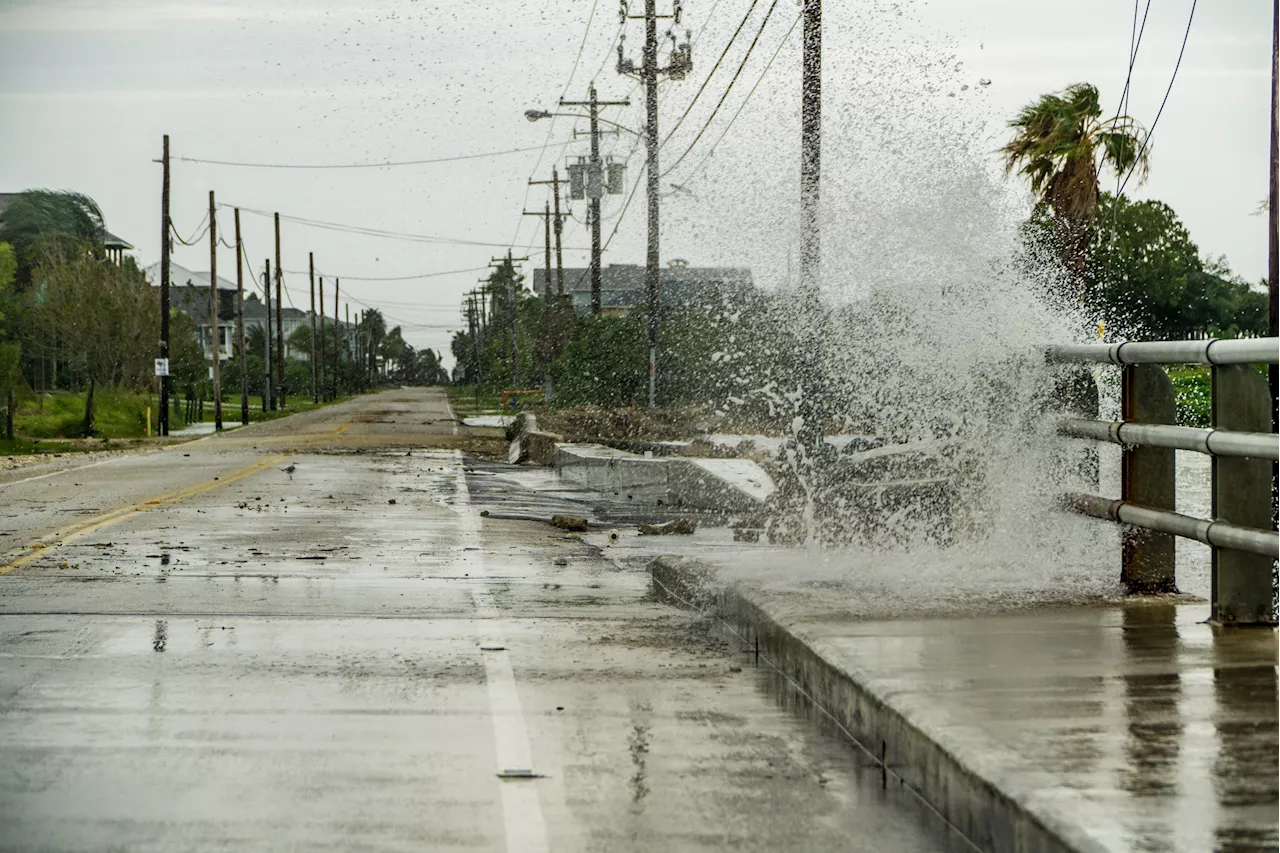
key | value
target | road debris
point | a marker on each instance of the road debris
(569, 522)
(682, 526)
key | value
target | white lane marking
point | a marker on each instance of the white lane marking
(522, 817)
(453, 420)
(67, 470)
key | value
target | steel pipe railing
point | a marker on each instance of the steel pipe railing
(1212, 351)
(1215, 442)
(1218, 534)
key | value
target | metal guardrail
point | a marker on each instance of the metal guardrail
(1215, 442)
(1219, 534)
(1212, 351)
(1241, 533)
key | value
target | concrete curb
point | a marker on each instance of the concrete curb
(963, 789)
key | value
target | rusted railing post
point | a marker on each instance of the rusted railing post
(1241, 582)
(1148, 477)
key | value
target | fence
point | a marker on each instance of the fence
(1244, 450)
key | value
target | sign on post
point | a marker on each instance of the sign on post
(162, 367)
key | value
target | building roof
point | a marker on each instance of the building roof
(180, 276)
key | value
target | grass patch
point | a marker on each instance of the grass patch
(1192, 384)
(36, 447)
(60, 414)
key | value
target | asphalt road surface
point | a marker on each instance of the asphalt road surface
(200, 651)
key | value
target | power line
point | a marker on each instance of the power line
(1135, 42)
(201, 229)
(727, 90)
(1147, 139)
(697, 169)
(711, 73)
(582, 44)
(376, 232)
(377, 165)
(391, 277)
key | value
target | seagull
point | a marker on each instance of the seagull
(290, 470)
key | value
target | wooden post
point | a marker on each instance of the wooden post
(1148, 478)
(1241, 582)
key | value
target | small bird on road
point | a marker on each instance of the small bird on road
(290, 470)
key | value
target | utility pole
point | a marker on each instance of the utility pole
(279, 319)
(346, 343)
(680, 64)
(812, 406)
(595, 183)
(268, 399)
(166, 248)
(652, 273)
(337, 335)
(507, 269)
(324, 375)
(311, 271)
(214, 330)
(1273, 237)
(240, 350)
(473, 319)
(557, 224)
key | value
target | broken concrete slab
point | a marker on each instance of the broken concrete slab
(728, 485)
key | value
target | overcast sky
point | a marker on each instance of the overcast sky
(88, 87)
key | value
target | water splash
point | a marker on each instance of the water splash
(935, 324)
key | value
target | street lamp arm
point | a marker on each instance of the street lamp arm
(534, 115)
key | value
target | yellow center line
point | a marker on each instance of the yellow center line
(98, 522)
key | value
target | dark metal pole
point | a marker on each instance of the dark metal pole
(279, 319)
(214, 330)
(594, 180)
(652, 271)
(311, 270)
(166, 248)
(240, 348)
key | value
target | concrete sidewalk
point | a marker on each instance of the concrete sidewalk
(1112, 727)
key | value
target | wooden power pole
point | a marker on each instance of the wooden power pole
(311, 271)
(279, 319)
(166, 249)
(241, 352)
(215, 332)
(268, 398)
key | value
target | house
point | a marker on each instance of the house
(189, 293)
(622, 285)
(111, 244)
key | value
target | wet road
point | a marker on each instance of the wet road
(207, 654)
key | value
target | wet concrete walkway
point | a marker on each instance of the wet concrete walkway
(1106, 727)
(209, 654)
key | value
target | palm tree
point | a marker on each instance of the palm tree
(41, 218)
(1060, 144)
